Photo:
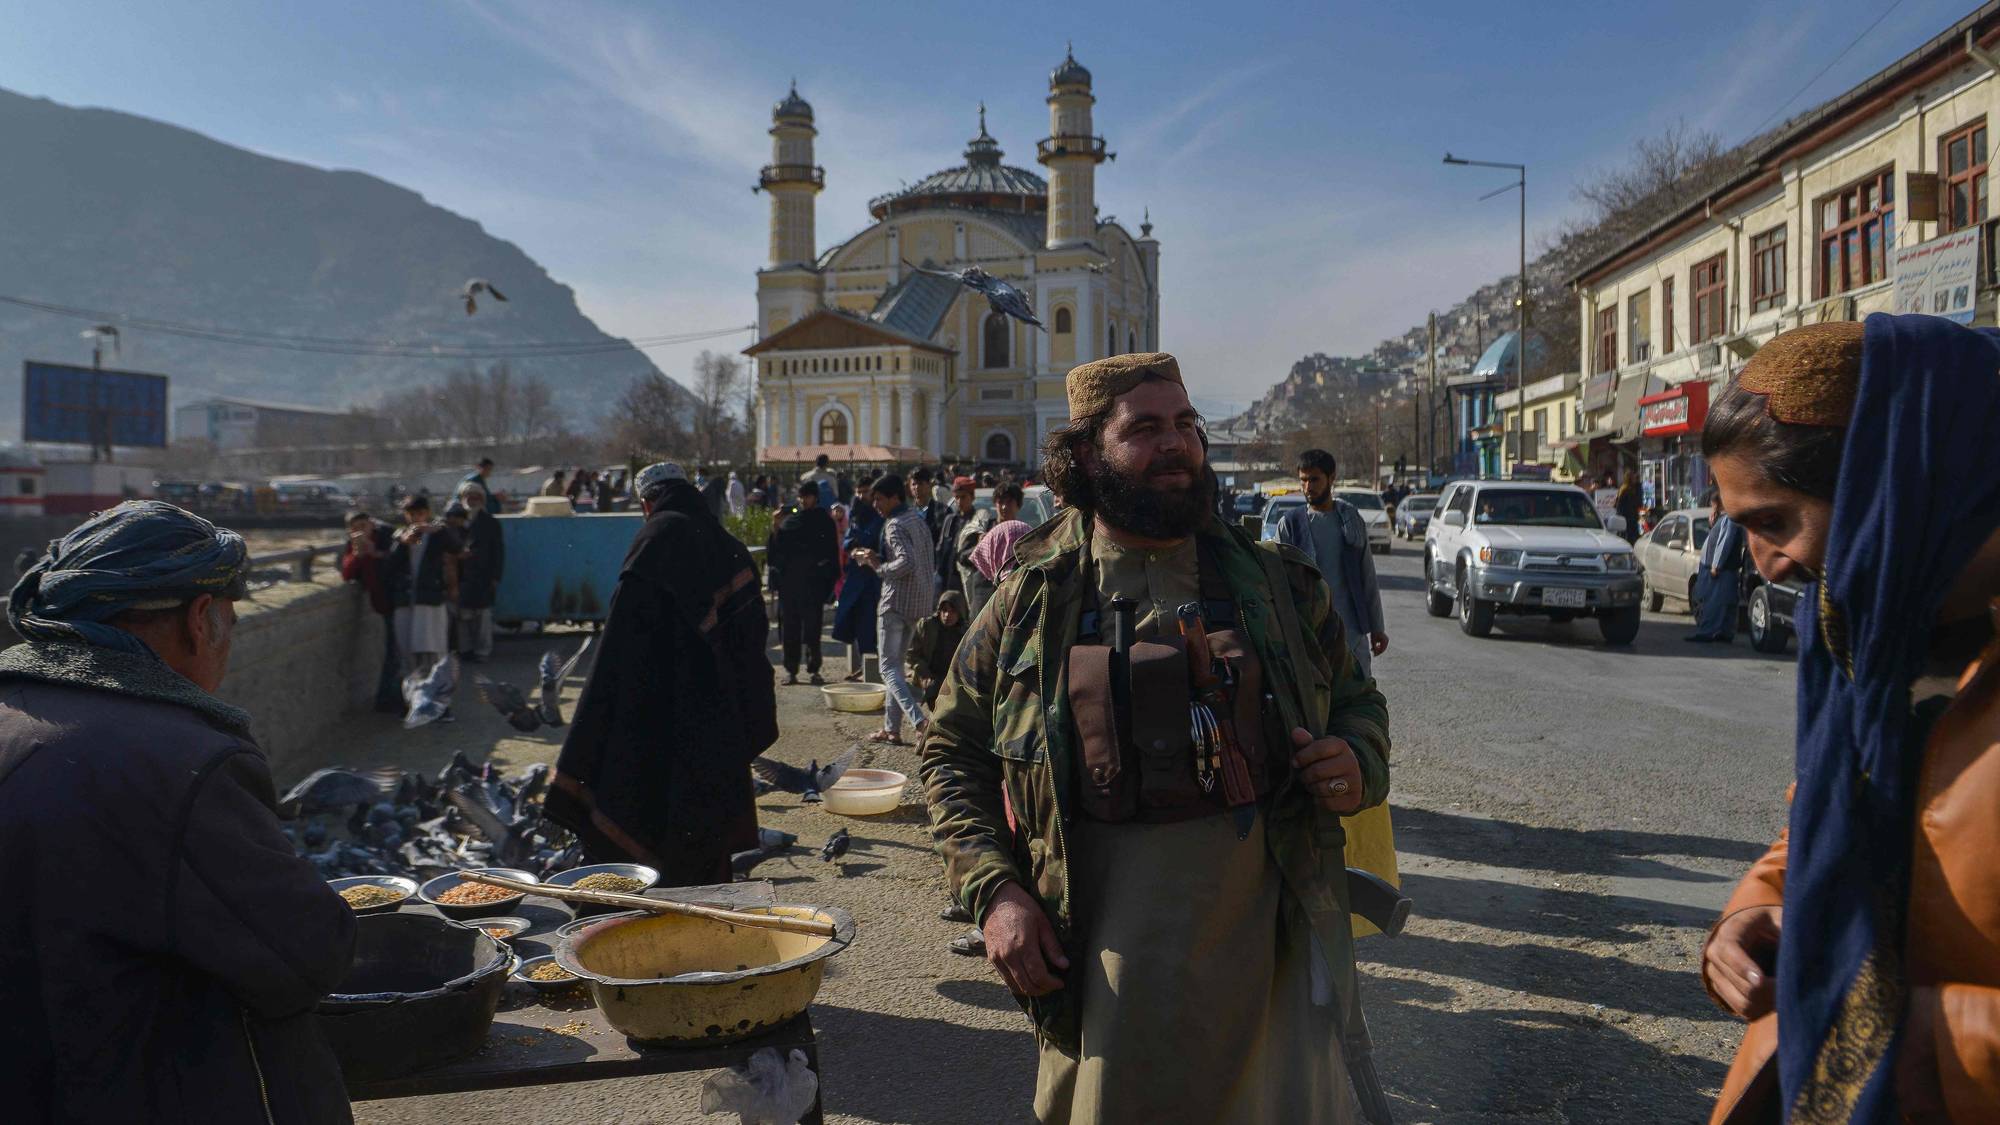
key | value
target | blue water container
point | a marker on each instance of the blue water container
(562, 568)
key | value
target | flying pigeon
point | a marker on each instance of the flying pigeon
(473, 288)
(1003, 297)
(770, 843)
(1098, 267)
(836, 846)
(767, 1088)
(429, 696)
(809, 782)
(339, 789)
(553, 676)
(508, 700)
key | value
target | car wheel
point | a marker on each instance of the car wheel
(1655, 600)
(1436, 602)
(1383, 549)
(1766, 635)
(1475, 618)
(1694, 597)
(1619, 626)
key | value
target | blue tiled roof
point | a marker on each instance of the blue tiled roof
(916, 305)
(1498, 358)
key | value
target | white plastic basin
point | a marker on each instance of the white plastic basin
(866, 793)
(854, 697)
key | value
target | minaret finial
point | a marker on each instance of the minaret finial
(1146, 224)
(982, 117)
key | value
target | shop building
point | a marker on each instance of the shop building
(1875, 201)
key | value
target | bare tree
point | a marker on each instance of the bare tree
(496, 405)
(719, 432)
(649, 422)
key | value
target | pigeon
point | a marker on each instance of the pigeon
(530, 784)
(338, 789)
(473, 288)
(1098, 267)
(836, 846)
(429, 696)
(508, 700)
(766, 1090)
(1002, 297)
(770, 843)
(809, 782)
(553, 675)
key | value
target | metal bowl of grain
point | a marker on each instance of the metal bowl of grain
(501, 929)
(622, 878)
(374, 894)
(543, 975)
(456, 897)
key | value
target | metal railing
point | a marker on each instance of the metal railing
(299, 559)
(791, 174)
(1070, 146)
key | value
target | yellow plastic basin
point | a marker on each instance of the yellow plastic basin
(854, 697)
(864, 792)
(665, 979)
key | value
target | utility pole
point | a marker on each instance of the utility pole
(1430, 418)
(100, 412)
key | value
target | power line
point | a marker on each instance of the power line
(328, 345)
(1835, 61)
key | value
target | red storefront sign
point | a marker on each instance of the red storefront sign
(1678, 411)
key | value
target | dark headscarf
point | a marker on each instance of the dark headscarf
(142, 554)
(1918, 493)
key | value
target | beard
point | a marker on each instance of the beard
(1134, 503)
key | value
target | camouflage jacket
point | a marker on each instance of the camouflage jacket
(997, 730)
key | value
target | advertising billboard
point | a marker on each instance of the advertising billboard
(86, 406)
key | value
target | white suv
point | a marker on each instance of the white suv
(1524, 548)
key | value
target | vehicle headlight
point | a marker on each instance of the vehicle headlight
(1620, 560)
(1499, 556)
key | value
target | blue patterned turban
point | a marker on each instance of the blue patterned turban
(142, 554)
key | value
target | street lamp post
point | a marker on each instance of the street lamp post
(1520, 298)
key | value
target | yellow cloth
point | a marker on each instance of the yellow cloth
(1371, 846)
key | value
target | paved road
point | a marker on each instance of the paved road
(1568, 817)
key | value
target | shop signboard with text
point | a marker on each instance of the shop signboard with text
(1680, 410)
(1939, 277)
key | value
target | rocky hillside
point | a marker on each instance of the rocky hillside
(109, 211)
(1311, 390)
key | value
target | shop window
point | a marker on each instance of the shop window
(1607, 340)
(27, 486)
(1639, 327)
(1708, 293)
(1767, 269)
(1857, 225)
(1666, 315)
(995, 335)
(1962, 159)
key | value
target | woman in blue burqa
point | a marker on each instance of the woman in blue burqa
(860, 589)
(1861, 461)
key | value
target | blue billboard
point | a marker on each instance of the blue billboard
(86, 406)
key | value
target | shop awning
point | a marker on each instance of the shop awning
(1625, 412)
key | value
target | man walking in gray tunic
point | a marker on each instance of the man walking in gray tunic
(1330, 531)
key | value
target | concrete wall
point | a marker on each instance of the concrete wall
(305, 654)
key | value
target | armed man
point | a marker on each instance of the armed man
(1136, 774)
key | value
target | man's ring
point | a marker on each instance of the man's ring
(1337, 786)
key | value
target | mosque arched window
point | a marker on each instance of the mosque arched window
(1111, 339)
(999, 446)
(994, 335)
(1063, 325)
(833, 428)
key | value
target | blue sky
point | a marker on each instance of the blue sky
(1289, 152)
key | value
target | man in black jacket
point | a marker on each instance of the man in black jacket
(478, 576)
(800, 565)
(121, 774)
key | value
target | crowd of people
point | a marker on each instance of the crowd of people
(1128, 708)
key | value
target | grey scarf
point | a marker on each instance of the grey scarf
(140, 675)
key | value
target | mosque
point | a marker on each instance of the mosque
(865, 359)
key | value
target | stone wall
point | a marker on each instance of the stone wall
(305, 654)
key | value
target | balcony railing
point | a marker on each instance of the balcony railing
(791, 174)
(1071, 146)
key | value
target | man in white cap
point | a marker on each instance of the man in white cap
(656, 768)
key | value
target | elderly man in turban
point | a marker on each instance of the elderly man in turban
(656, 768)
(164, 947)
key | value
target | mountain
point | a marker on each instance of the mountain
(109, 211)
(1318, 387)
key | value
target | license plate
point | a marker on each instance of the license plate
(1572, 599)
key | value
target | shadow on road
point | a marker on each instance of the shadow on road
(1600, 852)
(1656, 636)
(916, 1070)
(1546, 910)
(987, 994)
(1497, 1064)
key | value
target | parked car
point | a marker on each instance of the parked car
(1671, 555)
(1770, 608)
(1413, 515)
(1374, 513)
(1537, 549)
(1038, 503)
(1275, 510)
